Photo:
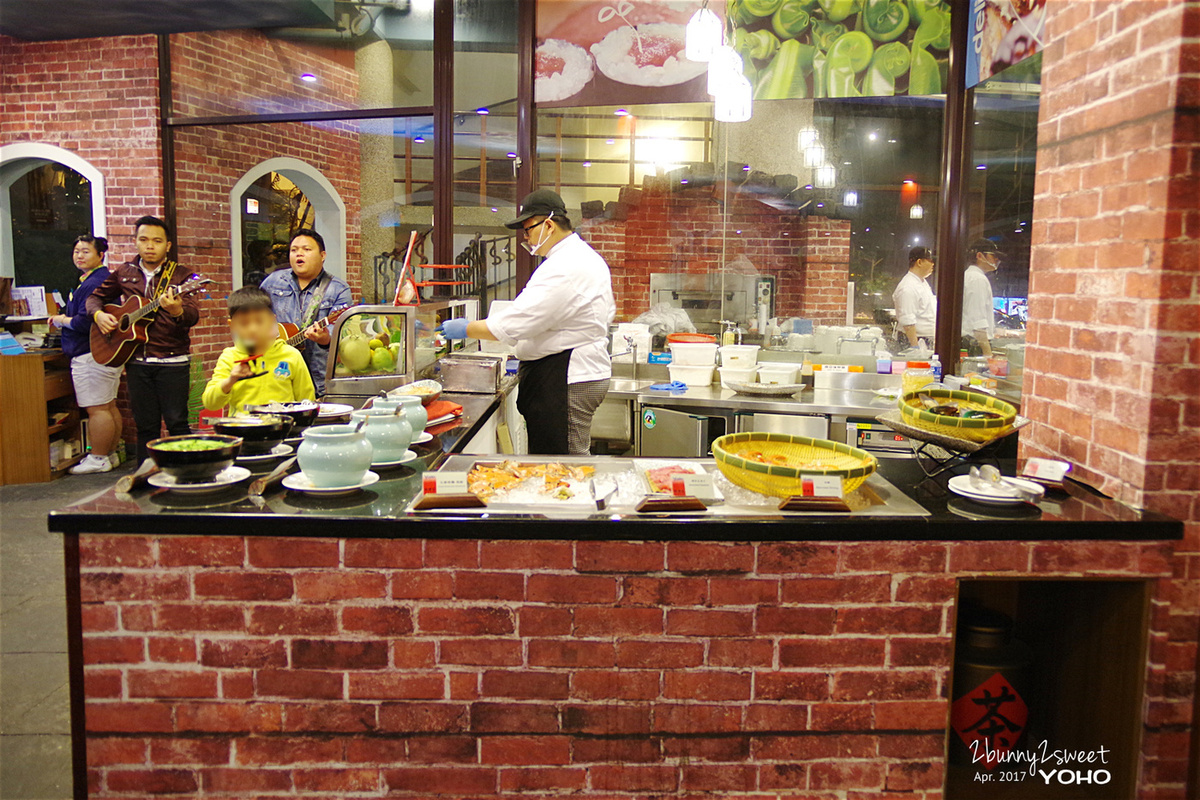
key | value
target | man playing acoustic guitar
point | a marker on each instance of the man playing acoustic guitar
(158, 374)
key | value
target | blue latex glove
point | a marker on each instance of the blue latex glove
(454, 329)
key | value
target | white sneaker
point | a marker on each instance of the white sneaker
(91, 464)
(112, 459)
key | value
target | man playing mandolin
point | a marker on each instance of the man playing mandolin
(158, 373)
(306, 294)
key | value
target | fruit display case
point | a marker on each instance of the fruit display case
(371, 350)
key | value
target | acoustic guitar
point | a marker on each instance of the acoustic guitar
(133, 321)
(294, 335)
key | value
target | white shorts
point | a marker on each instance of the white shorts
(95, 384)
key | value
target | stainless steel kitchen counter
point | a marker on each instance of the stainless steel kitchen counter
(836, 402)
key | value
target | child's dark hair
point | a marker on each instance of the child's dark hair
(248, 298)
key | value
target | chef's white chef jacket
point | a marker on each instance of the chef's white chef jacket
(915, 304)
(567, 305)
(978, 312)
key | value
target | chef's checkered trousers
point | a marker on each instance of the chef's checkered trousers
(582, 401)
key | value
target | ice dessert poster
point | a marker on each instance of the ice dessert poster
(1003, 33)
(616, 52)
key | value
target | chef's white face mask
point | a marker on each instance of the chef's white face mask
(543, 237)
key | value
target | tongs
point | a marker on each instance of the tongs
(601, 500)
(988, 477)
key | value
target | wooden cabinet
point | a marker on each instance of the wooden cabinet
(35, 387)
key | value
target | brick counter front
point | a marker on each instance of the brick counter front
(255, 666)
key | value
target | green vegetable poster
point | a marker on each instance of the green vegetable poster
(841, 48)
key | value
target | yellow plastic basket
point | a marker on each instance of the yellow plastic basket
(799, 456)
(973, 430)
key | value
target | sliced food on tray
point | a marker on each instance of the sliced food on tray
(513, 482)
(661, 478)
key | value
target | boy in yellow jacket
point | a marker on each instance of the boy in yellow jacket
(260, 367)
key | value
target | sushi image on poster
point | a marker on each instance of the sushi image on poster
(841, 48)
(1003, 33)
(615, 52)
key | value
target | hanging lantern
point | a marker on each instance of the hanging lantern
(850, 199)
(735, 102)
(806, 139)
(724, 68)
(826, 177)
(814, 156)
(916, 212)
(703, 35)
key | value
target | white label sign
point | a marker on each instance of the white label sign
(821, 486)
(693, 485)
(444, 483)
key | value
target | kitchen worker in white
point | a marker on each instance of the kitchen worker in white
(558, 326)
(979, 314)
(916, 307)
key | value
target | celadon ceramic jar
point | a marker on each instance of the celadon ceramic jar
(388, 432)
(385, 403)
(414, 409)
(334, 455)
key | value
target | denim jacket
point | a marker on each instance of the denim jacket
(290, 302)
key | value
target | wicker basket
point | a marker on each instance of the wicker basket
(974, 430)
(801, 455)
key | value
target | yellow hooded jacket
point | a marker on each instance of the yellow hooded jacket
(286, 378)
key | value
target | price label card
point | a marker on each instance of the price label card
(444, 483)
(822, 486)
(835, 368)
(699, 485)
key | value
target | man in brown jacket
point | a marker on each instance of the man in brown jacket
(158, 373)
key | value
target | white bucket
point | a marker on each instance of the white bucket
(739, 355)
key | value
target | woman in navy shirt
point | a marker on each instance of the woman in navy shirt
(96, 385)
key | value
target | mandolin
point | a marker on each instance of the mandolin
(134, 316)
(294, 335)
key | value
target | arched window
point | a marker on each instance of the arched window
(48, 196)
(269, 202)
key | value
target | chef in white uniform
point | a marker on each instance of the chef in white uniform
(979, 313)
(916, 306)
(558, 326)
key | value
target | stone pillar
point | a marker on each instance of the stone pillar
(380, 213)
(1112, 377)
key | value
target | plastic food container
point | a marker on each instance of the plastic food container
(693, 354)
(777, 373)
(739, 355)
(692, 375)
(738, 375)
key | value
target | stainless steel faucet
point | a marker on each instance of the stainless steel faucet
(632, 351)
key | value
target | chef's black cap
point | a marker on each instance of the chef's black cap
(917, 253)
(540, 203)
(983, 246)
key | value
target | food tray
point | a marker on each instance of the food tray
(975, 430)
(429, 391)
(766, 389)
(783, 480)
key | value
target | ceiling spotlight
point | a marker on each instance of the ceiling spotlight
(419, 139)
(308, 77)
(620, 112)
(872, 136)
(610, 141)
(512, 155)
(587, 163)
(483, 112)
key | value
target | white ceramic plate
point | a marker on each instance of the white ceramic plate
(408, 457)
(767, 389)
(961, 485)
(299, 482)
(278, 451)
(226, 477)
(334, 410)
(425, 436)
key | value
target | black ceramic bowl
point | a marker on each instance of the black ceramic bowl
(302, 413)
(259, 432)
(194, 466)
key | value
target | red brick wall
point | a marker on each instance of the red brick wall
(248, 665)
(1113, 363)
(680, 232)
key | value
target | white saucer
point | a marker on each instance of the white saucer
(961, 485)
(278, 451)
(226, 477)
(334, 410)
(408, 457)
(298, 482)
(425, 436)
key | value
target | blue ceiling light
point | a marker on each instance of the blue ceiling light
(483, 112)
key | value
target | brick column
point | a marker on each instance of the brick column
(1113, 366)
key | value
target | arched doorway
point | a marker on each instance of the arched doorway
(48, 196)
(273, 198)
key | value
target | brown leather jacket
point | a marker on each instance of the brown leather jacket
(168, 336)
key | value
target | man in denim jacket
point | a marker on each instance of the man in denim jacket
(293, 297)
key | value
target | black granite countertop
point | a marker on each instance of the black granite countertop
(381, 511)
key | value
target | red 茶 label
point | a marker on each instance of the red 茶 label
(990, 719)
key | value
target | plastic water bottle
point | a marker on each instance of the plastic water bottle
(935, 366)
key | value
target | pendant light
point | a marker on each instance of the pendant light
(735, 101)
(724, 68)
(814, 156)
(850, 199)
(825, 177)
(916, 212)
(806, 138)
(703, 35)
